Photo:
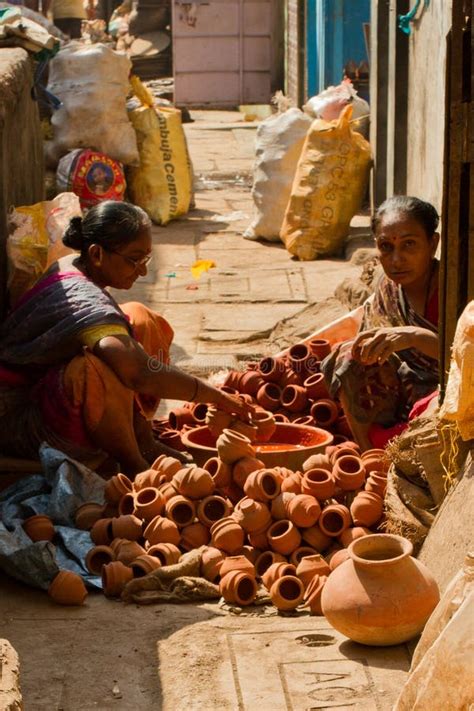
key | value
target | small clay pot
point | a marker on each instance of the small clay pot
(337, 558)
(250, 553)
(262, 485)
(246, 398)
(366, 509)
(128, 551)
(271, 369)
(149, 502)
(212, 509)
(334, 519)
(310, 566)
(114, 578)
(236, 562)
(238, 588)
(318, 483)
(314, 591)
(180, 416)
(143, 565)
(349, 472)
(221, 473)
(126, 505)
(292, 483)
(250, 382)
(306, 420)
(282, 473)
(150, 477)
(294, 398)
(315, 387)
(265, 423)
(129, 527)
(172, 438)
(298, 357)
(199, 410)
(324, 412)
(194, 536)
(301, 552)
(275, 571)
(217, 420)
(243, 468)
(265, 560)
(227, 535)
(162, 530)
(317, 461)
(39, 528)
(101, 532)
(211, 562)
(269, 396)
(180, 510)
(342, 450)
(193, 482)
(67, 588)
(244, 428)
(316, 538)
(280, 505)
(291, 378)
(303, 510)
(87, 515)
(97, 557)
(320, 347)
(167, 491)
(258, 539)
(166, 553)
(287, 592)
(116, 487)
(280, 417)
(376, 484)
(352, 534)
(283, 537)
(115, 545)
(167, 468)
(232, 446)
(252, 515)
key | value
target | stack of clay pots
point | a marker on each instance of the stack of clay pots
(169, 430)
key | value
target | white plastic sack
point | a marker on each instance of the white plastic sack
(328, 104)
(278, 147)
(441, 672)
(92, 83)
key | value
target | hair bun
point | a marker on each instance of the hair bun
(73, 236)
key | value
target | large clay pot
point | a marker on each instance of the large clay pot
(101, 532)
(381, 595)
(275, 571)
(67, 588)
(287, 592)
(212, 509)
(283, 537)
(349, 472)
(271, 369)
(194, 536)
(39, 528)
(232, 446)
(114, 578)
(161, 530)
(303, 510)
(87, 515)
(243, 468)
(269, 397)
(262, 485)
(265, 424)
(236, 562)
(318, 483)
(193, 482)
(116, 487)
(227, 535)
(129, 527)
(238, 588)
(334, 519)
(252, 515)
(221, 473)
(266, 559)
(310, 566)
(366, 509)
(324, 412)
(211, 561)
(167, 553)
(294, 398)
(180, 510)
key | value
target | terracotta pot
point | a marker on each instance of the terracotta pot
(199, 410)
(324, 412)
(230, 391)
(246, 398)
(310, 566)
(317, 461)
(275, 571)
(265, 423)
(87, 515)
(252, 515)
(167, 491)
(351, 534)
(238, 588)
(39, 528)
(166, 553)
(306, 420)
(297, 355)
(217, 420)
(180, 510)
(243, 468)
(211, 562)
(381, 595)
(115, 545)
(289, 377)
(349, 472)
(301, 552)
(269, 396)
(271, 369)
(180, 416)
(294, 398)
(292, 483)
(101, 532)
(250, 553)
(303, 510)
(237, 562)
(342, 450)
(194, 536)
(244, 428)
(376, 484)
(227, 535)
(149, 502)
(97, 557)
(193, 482)
(232, 446)
(258, 539)
(337, 558)
(116, 487)
(67, 588)
(126, 505)
(374, 454)
(343, 427)
(212, 509)
(143, 565)
(250, 382)
(320, 347)
(283, 537)
(162, 530)
(318, 483)
(167, 468)
(172, 438)
(315, 387)
(366, 509)
(280, 505)
(316, 538)
(280, 417)
(282, 473)
(221, 473)
(334, 519)
(266, 559)
(313, 594)
(232, 379)
(287, 592)
(114, 578)
(150, 477)
(128, 551)
(129, 527)
(262, 485)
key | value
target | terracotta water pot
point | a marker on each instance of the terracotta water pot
(101, 532)
(126, 505)
(116, 487)
(283, 537)
(334, 519)
(280, 504)
(266, 559)
(236, 562)
(97, 557)
(238, 588)
(150, 477)
(167, 553)
(275, 571)
(67, 588)
(172, 438)
(324, 412)
(317, 461)
(352, 533)
(320, 347)
(376, 484)
(143, 565)
(303, 510)
(316, 538)
(310, 566)
(250, 382)
(227, 535)
(292, 483)
(349, 472)
(313, 594)
(381, 595)
(232, 446)
(271, 369)
(287, 592)
(149, 502)
(167, 491)
(243, 468)
(252, 515)
(180, 510)
(294, 398)
(180, 416)
(211, 562)
(258, 539)
(269, 396)
(318, 483)
(162, 530)
(262, 485)
(130, 527)
(128, 551)
(194, 536)
(87, 515)
(114, 578)
(301, 552)
(217, 420)
(212, 509)
(315, 387)
(337, 558)
(193, 482)
(221, 473)
(265, 423)
(39, 528)
(366, 509)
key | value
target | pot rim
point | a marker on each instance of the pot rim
(377, 542)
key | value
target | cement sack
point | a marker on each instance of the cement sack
(328, 189)
(278, 147)
(92, 83)
(441, 672)
(458, 405)
(162, 183)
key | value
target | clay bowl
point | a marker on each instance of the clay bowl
(289, 446)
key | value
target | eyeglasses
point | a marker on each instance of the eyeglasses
(136, 263)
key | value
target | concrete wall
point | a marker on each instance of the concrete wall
(21, 146)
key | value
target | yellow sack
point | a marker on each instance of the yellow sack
(162, 184)
(328, 188)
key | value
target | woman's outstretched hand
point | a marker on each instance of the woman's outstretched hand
(376, 345)
(234, 406)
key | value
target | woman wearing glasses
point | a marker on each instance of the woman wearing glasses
(81, 372)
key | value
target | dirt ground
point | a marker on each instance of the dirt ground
(106, 655)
